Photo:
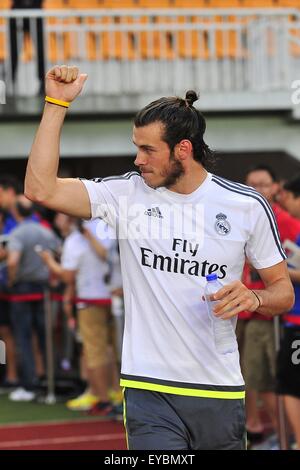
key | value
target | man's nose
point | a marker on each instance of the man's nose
(140, 159)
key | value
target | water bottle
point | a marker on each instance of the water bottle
(223, 331)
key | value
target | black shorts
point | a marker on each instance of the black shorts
(288, 363)
(161, 421)
(4, 313)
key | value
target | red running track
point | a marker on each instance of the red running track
(82, 435)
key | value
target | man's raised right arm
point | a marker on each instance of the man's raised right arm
(42, 185)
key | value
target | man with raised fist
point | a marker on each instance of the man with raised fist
(176, 223)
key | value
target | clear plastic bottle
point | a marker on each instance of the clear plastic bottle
(223, 331)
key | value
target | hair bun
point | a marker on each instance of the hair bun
(190, 97)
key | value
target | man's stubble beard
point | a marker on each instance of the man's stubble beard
(174, 172)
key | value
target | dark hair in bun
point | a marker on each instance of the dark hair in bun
(190, 97)
(180, 121)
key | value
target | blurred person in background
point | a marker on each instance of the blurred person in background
(10, 187)
(11, 376)
(288, 361)
(27, 278)
(259, 355)
(34, 28)
(62, 302)
(88, 272)
(116, 288)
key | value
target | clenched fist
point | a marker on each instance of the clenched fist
(64, 82)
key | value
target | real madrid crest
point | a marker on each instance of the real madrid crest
(222, 226)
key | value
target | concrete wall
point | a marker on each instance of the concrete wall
(111, 138)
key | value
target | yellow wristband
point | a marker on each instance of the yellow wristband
(64, 104)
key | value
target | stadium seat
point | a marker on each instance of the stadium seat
(55, 4)
(156, 3)
(154, 44)
(289, 3)
(107, 45)
(4, 5)
(294, 33)
(192, 44)
(259, 3)
(90, 38)
(121, 4)
(59, 44)
(191, 3)
(117, 45)
(225, 3)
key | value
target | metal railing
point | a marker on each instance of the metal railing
(153, 51)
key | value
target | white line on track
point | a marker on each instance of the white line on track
(55, 423)
(61, 440)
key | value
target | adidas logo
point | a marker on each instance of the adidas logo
(154, 212)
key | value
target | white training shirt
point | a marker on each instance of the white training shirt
(79, 255)
(168, 243)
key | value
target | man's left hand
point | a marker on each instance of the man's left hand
(233, 299)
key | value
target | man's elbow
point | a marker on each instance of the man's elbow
(38, 196)
(290, 299)
(12, 265)
(35, 196)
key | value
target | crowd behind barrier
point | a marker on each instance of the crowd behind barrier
(74, 267)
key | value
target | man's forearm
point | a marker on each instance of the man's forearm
(98, 247)
(276, 298)
(55, 268)
(294, 275)
(12, 274)
(43, 161)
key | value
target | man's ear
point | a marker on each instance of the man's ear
(184, 149)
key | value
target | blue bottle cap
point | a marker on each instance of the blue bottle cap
(211, 277)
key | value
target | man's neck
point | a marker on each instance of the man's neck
(191, 180)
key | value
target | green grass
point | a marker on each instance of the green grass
(11, 412)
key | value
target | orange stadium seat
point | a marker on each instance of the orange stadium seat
(86, 4)
(295, 34)
(156, 3)
(90, 38)
(120, 4)
(117, 45)
(225, 3)
(4, 5)
(55, 4)
(153, 44)
(289, 3)
(190, 3)
(107, 45)
(190, 43)
(59, 44)
(259, 3)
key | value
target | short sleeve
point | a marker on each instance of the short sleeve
(15, 243)
(263, 248)
(54, 242)
(102, 231)
(70, 255)
(107, 194)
